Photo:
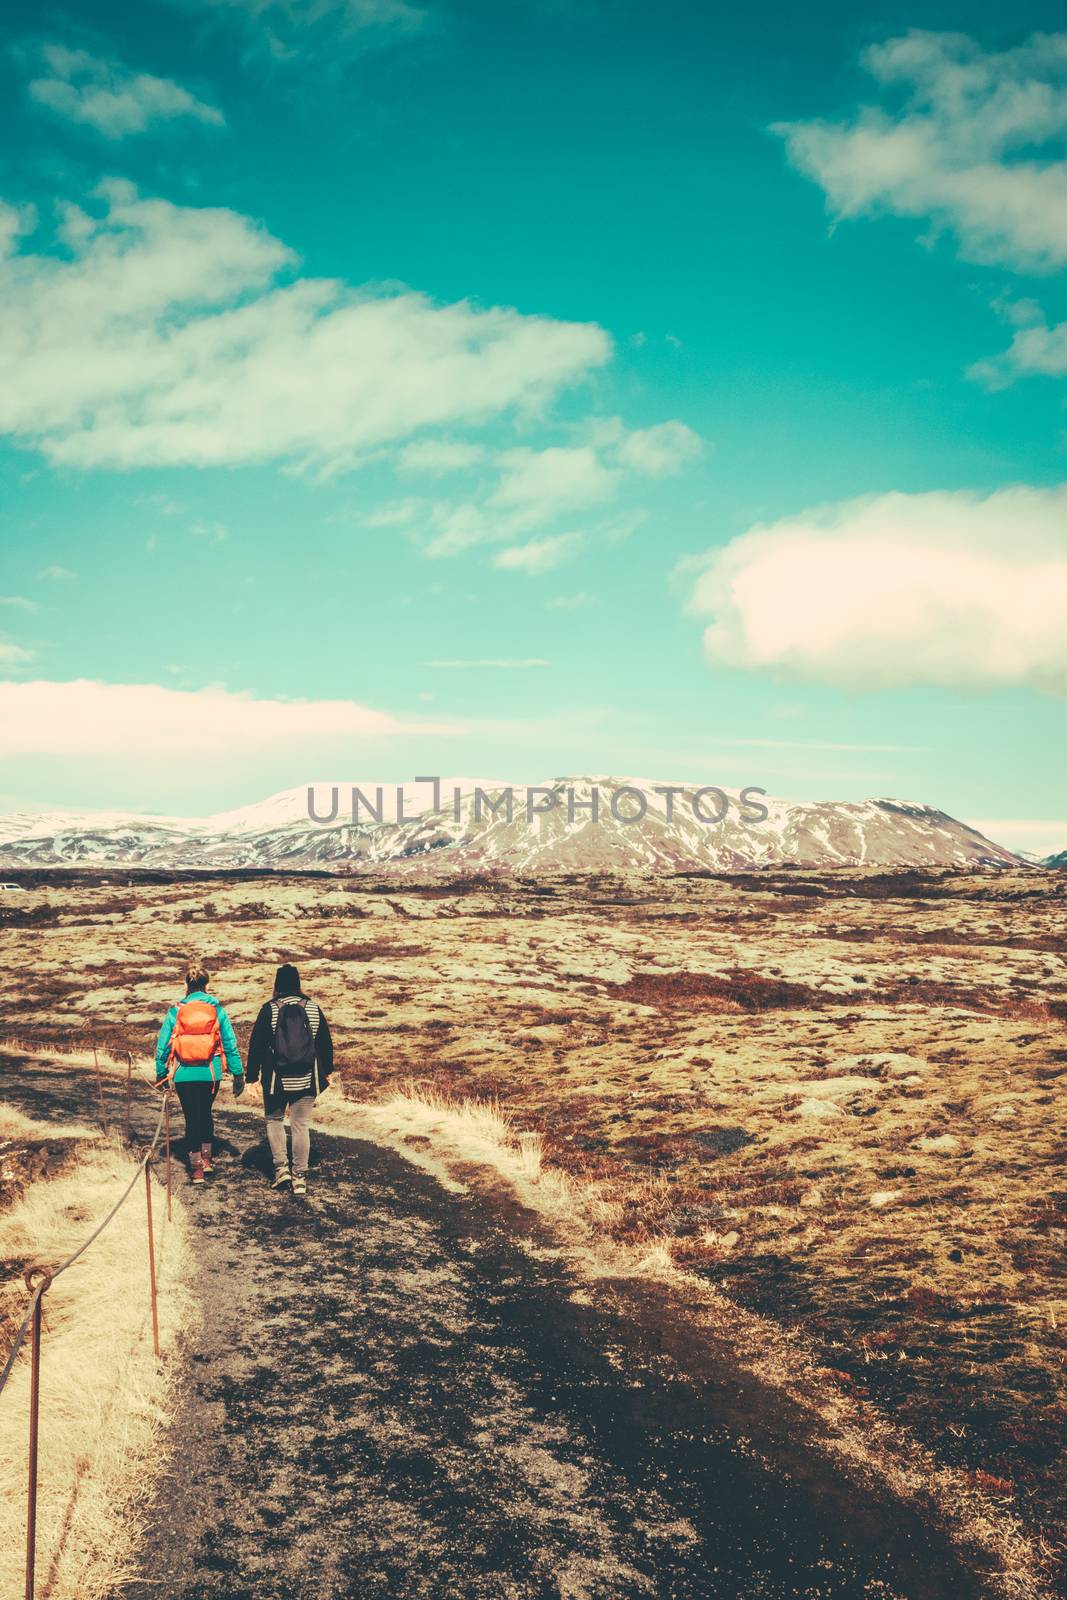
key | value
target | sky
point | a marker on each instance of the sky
(534, 389)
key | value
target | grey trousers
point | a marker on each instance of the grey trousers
(300, 1113)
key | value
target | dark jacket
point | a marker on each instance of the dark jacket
(261, 1052)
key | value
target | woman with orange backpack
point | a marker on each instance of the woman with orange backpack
(195, 1038)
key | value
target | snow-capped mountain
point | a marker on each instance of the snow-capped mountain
(289, 805)
(1058, 860)
(52, 823)
(292, 806)
(462, 824)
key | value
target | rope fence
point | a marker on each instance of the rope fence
(39, 1279)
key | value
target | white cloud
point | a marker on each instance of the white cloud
(659, 451)
(948, 588)
(87, 718)
(329, 33)
(434, 456)
(394, 513)
(975, 146)
(461, 527)
(656, 452)
(18, 602)
(539, 555)
(58, 574)
(11, 654)
(294, 19)
(126, 730)
(538, 484)
(1035, 350)
(14, 220)
(536, 488)
(108, 97)
(164, 338)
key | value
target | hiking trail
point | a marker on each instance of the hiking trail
(388, 1396)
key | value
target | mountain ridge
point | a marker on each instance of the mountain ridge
(582, 823)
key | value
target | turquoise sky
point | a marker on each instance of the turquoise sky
(713, 271)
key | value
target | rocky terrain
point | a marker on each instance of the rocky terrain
(478, 1422)
(461, 825)
(835, 1097)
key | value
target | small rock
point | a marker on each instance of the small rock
(812, 1198)
(819, 1108)
(885, 1197)
(1005, 1113)
(887, 1063)
(901, 1066)
(941, 1144)
(837, 1088)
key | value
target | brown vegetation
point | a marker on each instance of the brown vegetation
(835, 1098)
(105, 1398)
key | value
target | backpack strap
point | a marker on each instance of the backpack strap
(173, 1062)
(216, 1038)
(276, 1008)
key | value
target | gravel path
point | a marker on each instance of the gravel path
(389, 1398)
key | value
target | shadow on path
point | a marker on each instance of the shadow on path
(389, 1398)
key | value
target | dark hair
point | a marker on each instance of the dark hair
(196, 977)
(286, 980)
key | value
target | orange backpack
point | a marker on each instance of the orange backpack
(196, 1039)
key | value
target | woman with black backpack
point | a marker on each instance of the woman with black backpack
(292, 1051)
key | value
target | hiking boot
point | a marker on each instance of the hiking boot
(299, 1183)
(205, 1158)
(196, 1168)
(282, 1178)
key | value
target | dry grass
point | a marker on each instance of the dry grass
(469, 1143)
(465, 1140)
(835, 1102)
(105, 1399)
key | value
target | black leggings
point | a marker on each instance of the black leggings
(196, 1101)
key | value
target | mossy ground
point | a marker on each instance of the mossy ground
(838, 1096)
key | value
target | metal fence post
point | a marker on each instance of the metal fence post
(166, 1127)
(38, 1280)
(43, 1278)
(129, 1075)
(151, 1258)
(100, 1090)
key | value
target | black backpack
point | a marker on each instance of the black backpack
(294, 1043)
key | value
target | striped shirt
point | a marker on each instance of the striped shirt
(303, 1081)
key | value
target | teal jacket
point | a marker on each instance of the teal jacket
(201, 1071)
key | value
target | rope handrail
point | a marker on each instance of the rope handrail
(48, 1275)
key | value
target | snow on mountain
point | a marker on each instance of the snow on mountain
(290, 806)
(46, 823)
(1058, 860)
(82, 833)
(478, 825)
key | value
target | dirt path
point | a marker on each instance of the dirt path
(389, 1398)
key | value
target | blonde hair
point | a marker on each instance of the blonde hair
(196, 976)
